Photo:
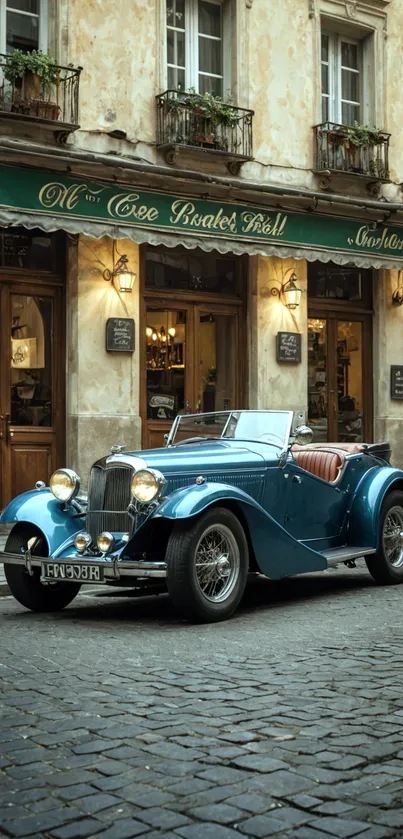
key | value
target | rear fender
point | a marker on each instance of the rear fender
(277, 553)
(57, 522)
(363, 528)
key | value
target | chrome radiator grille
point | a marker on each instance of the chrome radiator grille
(108, 498)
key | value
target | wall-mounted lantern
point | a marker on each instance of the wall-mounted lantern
(289, 291)
(122, 278)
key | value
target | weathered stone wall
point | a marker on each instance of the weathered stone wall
(103, 388)
(275, 384)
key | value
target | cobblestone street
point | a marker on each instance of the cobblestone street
(118, 720)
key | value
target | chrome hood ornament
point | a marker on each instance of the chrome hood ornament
(119, 448)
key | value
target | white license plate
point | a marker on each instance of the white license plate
(72, 572)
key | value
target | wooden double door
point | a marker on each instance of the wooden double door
(193, 360)
(32, 383)
(340, 375)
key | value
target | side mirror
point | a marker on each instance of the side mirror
(303, 435)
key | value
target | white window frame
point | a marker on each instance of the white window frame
(6, 6)
(335, 70)
(192, 46)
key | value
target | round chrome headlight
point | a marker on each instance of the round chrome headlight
(105, 542)
(82, 541)
(64, 484)
(147, 485)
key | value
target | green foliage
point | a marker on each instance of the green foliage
(363, 135)
(214, 108)
(19, 63)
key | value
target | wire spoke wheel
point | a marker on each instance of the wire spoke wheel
(392, 537)
(217, 563)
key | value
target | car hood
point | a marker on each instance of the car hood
(206, 457)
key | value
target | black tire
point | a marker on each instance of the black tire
(386, 566)
(27, 589)
(192, 591)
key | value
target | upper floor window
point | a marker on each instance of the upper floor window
(195, 46)
(341, 60)
(23, 25)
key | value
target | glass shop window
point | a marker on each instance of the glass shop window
(191, 271)
(31, 360)
(21, 248)
(166, 362)
(335, 282)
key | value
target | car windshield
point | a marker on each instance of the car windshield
(273, 427)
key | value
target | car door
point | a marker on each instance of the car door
(315, 509)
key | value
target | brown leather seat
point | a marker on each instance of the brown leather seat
(349, 448)
(324, 463)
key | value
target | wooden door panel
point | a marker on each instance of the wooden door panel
(32, 385)
(30, 462)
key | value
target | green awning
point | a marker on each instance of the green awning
(51, 201)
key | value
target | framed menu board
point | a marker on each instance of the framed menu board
(120, 335)
(396, 381)
(288, 347)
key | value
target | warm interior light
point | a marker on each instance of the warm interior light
(154, 336)
(149, 331)
(291, 294)
(123, 279)
(172, 331)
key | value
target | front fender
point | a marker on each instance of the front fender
(363, 526)
(277, 553)
(41, 508)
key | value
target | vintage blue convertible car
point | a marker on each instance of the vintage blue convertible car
(231, 493)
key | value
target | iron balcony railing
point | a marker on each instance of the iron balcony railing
(336, 152)
(28, 99)
(184, 121)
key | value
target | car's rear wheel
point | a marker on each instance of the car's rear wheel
(386, 566)
(207, 565)
(27, 588)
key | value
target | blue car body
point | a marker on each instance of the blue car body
(295, 521)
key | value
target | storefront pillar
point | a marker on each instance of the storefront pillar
(102, 387)
(273, 384)
(388, 350)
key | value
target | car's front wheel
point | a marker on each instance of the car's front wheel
(386, 566)
(207, 565)
(27, 588)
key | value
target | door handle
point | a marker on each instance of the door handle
(7, 423)
(187, 409)
(333, 392)
(5, 427)
(297, 479)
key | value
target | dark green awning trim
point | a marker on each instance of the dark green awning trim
(33, 198)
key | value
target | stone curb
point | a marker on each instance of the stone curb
(4, 590)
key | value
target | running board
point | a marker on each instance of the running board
(337, 555)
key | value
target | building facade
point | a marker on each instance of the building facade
(162, 251)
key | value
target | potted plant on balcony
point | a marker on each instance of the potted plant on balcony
(362, 141)
(210, 117)
(32, 76)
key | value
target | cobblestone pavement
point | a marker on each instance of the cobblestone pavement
(118, 720)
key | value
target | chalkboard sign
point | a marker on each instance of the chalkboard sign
(289, 347)
(396, 381)
(120, 335)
